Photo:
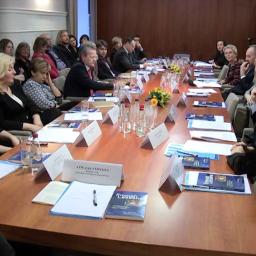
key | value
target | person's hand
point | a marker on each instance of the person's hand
(244, 68)
(48, 79)
(238, 144)
(237, 149)
(15, 141)
(20, 77)
(253, 96)
(31, 127)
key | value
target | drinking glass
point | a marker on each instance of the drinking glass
(25, 147)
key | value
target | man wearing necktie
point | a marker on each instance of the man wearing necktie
(79, 82)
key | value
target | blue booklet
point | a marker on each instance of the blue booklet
(206, 117)
(196, 162)
(221, 182)
(127, 205)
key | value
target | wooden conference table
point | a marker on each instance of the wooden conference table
(187, 223)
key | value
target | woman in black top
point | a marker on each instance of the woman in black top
(105, 69)
(16, 111)
(219, 59)
(22, 62)
(73, 46)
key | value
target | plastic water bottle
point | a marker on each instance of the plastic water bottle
(140, 126)
(35, 154)
(134, 113)
(126, 120)
(121, 116)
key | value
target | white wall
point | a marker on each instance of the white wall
(24, 20)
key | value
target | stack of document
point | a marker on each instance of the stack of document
(209, 125)
(84, 200)
(213, 136)
(204, 90)
(216, 182)
(57, 135)
(208, 147)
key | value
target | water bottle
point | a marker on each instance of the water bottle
(140, 126)
(121, 116)
(126, 119)
(134, 113)
(35, 154)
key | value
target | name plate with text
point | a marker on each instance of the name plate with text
(139, 82)
(92, 172)
(156, 136)
(91, 133)
(112, 115)
(146, 77)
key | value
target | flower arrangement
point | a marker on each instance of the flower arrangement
(175, 69)
(159, 97)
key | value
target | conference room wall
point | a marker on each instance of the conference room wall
(175, 26)
(25, 20)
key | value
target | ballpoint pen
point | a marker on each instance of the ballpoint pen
(94, 198)
(186, 153)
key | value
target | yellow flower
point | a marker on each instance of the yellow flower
(154, 102)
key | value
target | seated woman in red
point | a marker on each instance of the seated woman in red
(40, 46)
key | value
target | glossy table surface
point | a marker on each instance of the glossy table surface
(187, 223)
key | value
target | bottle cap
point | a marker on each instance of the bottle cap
(141, 107)
(35, 135)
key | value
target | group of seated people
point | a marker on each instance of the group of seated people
(29, 95)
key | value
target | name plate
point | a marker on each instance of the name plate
(139, 82)
(156, 136)
(91, 133)
(182, 100)
(146, 77)
(92, 172)
(54, 163)
(173, 172)
(172, 115)
(112, 115)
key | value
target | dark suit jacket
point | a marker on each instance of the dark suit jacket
(66, 55)
(139, 54)
(104, 68)
(78, 82)
(12, 114)
(123, 62)
(245, 83)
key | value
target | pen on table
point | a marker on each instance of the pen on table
(94, 198)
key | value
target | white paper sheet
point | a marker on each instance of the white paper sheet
(202, 90)
(58, 135)
(83, 116)
(200, 84)
(212, 135)
(7, 168)
(78, 200)
(209, 125)
(207, 147)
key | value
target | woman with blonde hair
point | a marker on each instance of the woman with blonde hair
(233, 75)
(16, 111)
(117, 43)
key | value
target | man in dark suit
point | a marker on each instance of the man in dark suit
(65, 53)
(246, 73)
(138, 52)
(123, 60)
(79, 82)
